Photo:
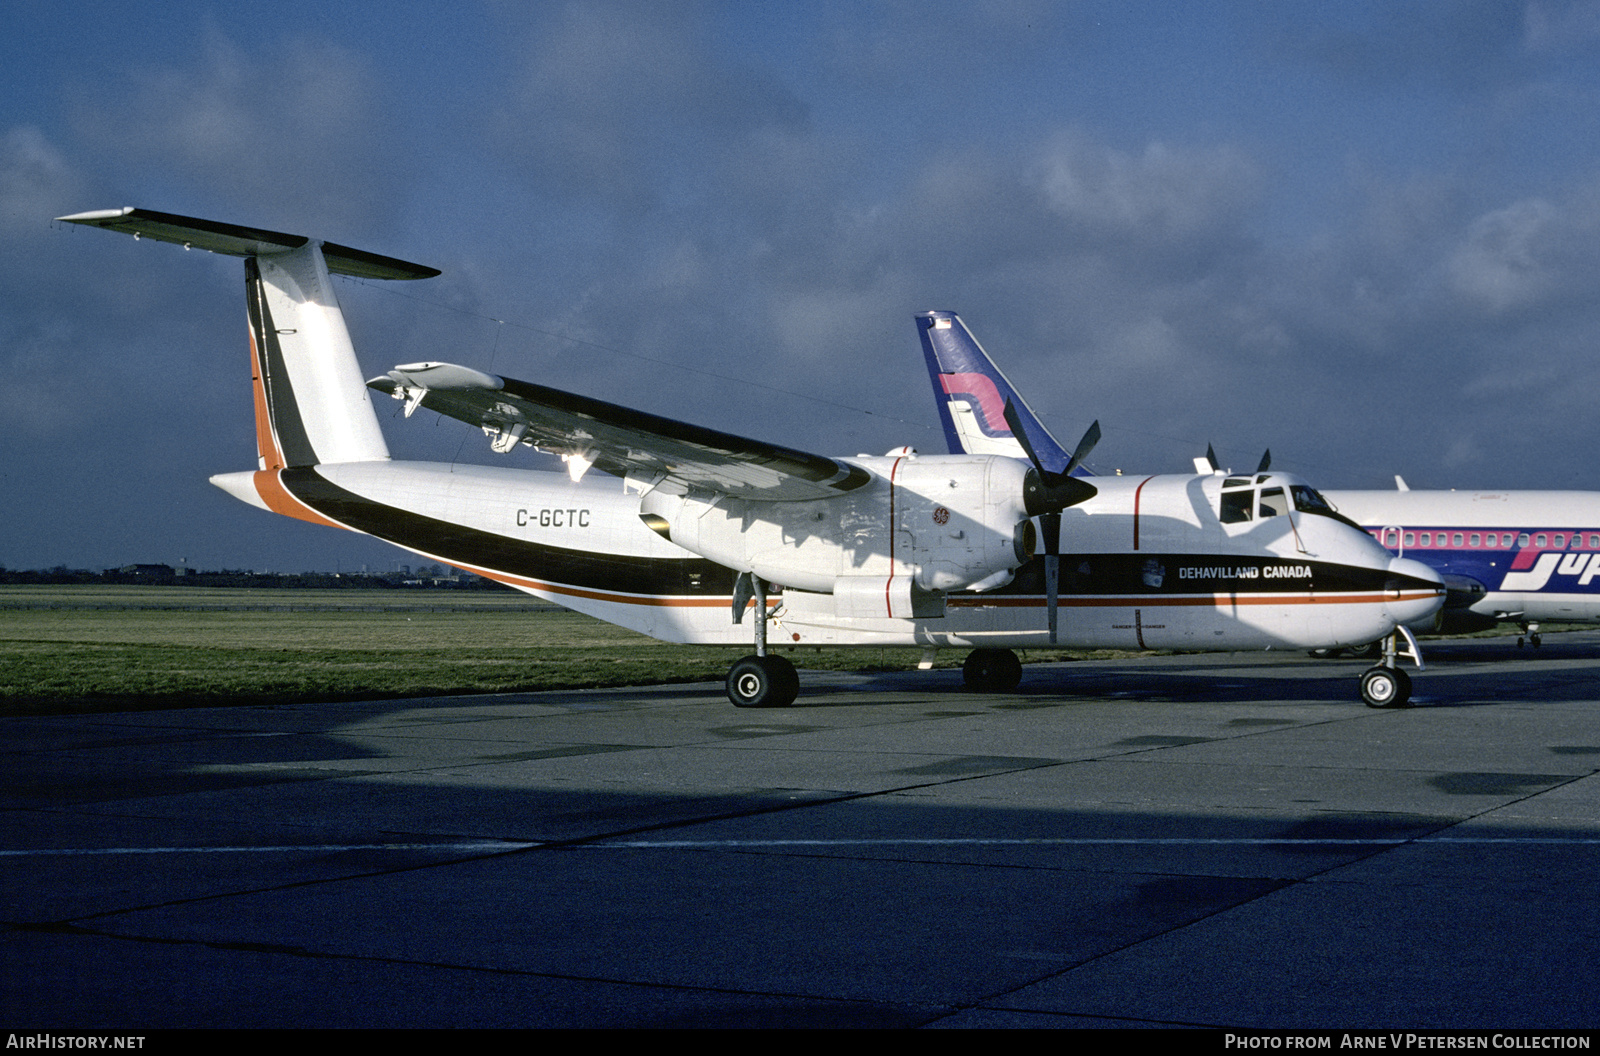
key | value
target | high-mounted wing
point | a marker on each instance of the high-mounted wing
(646, 449)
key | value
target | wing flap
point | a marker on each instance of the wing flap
(619, 440)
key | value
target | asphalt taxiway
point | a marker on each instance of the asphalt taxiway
(1226, 840)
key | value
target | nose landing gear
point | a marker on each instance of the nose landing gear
(1387, 686)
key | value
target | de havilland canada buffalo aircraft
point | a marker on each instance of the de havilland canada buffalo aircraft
(687, 530)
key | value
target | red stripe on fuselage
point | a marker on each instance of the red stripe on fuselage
(1136, 493)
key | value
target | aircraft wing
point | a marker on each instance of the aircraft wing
(646, 449)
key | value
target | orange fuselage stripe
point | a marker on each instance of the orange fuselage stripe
(266, 442)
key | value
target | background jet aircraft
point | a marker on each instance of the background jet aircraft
(686, 530)
(1523, 557)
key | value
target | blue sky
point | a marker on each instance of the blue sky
(1362, 234)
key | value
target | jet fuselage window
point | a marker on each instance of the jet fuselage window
(1411, 539)
(1427, 538)
(1541, 540)
(1474, 540)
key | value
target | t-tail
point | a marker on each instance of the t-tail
(312, 404)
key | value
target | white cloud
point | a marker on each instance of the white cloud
(1162, 192)
(295, 129)
(1501, 263)
(33, 179)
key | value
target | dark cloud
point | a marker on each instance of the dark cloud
(292, 133)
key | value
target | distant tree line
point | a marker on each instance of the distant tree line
(425, 577)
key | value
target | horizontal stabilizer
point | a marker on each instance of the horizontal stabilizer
(645, 448)
(236, 241)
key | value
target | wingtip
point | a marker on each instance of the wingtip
(95, 216)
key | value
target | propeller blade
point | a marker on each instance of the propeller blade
(1018, 430)
(1049, 490)
(1091, 437)
(1266, 461)
(1211, 458)
(1051, 523)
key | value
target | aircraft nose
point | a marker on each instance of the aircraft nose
(1412, 591)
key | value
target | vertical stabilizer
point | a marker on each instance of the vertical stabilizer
(311, 399)
(981, 412)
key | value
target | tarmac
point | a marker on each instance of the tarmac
(1227, 841)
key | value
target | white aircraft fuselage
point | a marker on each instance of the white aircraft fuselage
(1148, 565)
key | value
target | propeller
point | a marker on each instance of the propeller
(1047, 490)
(1261, 467)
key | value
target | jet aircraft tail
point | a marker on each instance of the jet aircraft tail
(312, 404)
(982, 412)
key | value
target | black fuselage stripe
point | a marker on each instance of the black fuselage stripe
(459, 544)
(283, 411)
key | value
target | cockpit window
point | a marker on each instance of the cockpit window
(1309, 500)
(1236, 505)
(1243, 499)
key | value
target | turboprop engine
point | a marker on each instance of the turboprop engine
(923, 527)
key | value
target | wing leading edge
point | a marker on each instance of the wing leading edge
(646, 449)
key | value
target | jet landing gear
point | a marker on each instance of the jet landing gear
(1387, 686)
(1533, 638)
(759, 681)
(992, 671)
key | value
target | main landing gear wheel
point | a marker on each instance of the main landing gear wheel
(1386, 687)
(992, 670)
(763, 682)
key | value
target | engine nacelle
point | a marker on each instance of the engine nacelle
(942, 523)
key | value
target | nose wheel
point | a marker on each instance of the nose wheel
(1387, 686)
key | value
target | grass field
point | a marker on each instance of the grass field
(70, 649)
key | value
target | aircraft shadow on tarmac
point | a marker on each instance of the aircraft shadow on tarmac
(894, 857)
